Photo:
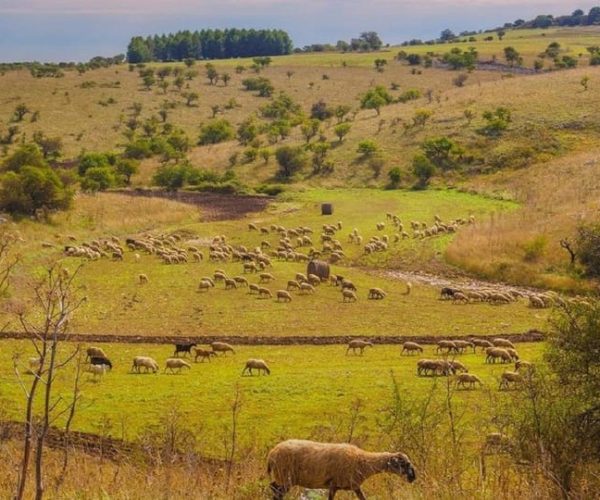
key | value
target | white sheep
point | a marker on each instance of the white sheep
(145, 362)
(223, 347)
(467, 378)
(508, 378)
(256, 364)
(348, 295)
(176, 364)
(97, 371)
(358, 344)
(411, 347)
(283, 296)
(329, 466)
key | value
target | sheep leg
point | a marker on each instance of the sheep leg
(278, 491)
(358, 492)
(332, 492)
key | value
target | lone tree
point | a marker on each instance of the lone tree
(376, 98)
(512, 56)
(211, 73)
(47, 325)
(291, 160)
(20, 111)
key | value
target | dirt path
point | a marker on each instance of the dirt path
(214, 207)
(531, 336)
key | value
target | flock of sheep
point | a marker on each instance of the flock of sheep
(498, 350)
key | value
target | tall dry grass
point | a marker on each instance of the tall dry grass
(524, 246)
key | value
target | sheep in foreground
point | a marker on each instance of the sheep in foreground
(525, 365)
(101, 360)
(348, 295)
(446, 345)
(462, 379)
(457, 366)
(358, 344)
(411, 347)
(145, 362)
(176, 364)
(376, 294)
(223, 347)
(186, 349)
(256, 364)
(34, 365)
(143, 279)
(329, 466)
(497, 353)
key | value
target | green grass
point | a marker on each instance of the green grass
(171, 304)
(309, 393)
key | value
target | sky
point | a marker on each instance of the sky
(76, 30)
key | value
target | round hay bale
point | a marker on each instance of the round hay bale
(326, 209)
(318, 268)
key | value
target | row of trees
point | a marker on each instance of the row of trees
(577, 18)
(209, 44)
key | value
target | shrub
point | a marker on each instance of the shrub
(262, 85)
(95, 160)
(247, 131)
(281, 107)
(442, 152)
(270, 189)
(457, 59)
(413, 59)
(98, 179)
(216, 131)
(375, 98)
(341, 130)
(588, 248)
(291, 160)
(321, 111)
(497, 121)
(395, 176)
(423, 170)
(409, 95)
(535, 248)
(367, 148)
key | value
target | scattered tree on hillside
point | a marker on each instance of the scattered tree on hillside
(512, 56)
(191, 98)
(211, 73)
(291, 160)
(20, 111)
(423, 170)
(376, 98)
(588, 248)
(225, 78)
(216, 131)
(497, 121)
(341, 130)
(380, 64)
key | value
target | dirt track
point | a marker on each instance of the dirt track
(531, 336)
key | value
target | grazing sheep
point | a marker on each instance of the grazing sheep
(495, 353)
(435, 366)
(411, 347)
(252, 227)
(204, 286)
(348, 295)
(376, 294)
(253, 288)
(240, 280)
(293, 285)
(145, 362)
(527, 365)
(513, 353)
(508, 378)
(503, 343)
(34, 364)
(457, 366)
(223, 347)
(307, 288)
(347, 284)
(408, 288)
(536, 302)
(467, 378)
(329, 466)
(460, 297)
(283, 296)
(314, 280)
(184, 348)
(264, 292)
(94, 351)
(101, 360)
(203, 354)
(266, 277)
(448, 293)
(358, 344)
(143, 279)
(484, 344)
(176, 364)
(230, 284)
(447, 345)
(256, 364)
(98, 371)
(462, 345)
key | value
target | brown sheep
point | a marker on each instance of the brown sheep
(467, 378)
(329, 466)
(447, 345)
(503, 343)
(495, 353)
(348, 295)
(223, 347)
(264, 292)
(509, 378)
(203, 354)
(283, 296)
(256, 364)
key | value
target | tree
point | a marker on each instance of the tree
(164, 85)
(321, 111)
(395, 176)
(371, 40)
(148, 81)
(341, 130)
(126, 168)
(216, 131)
(421, 117)
(247, 130)
(542, 21)
(423, 170)
(163, 72)
(319, 150)
(25, 155)
(291, 160)
(215, 109)
(179, 82)
(501, 34)
(512, 56)
(225, 78)
(189, 62)
(310, 128)
(441, 152)
(375, 98)
(191, 98)
(51, 147)
(341, 111)
(594, 15)
(54, 301)
(211, 73)
(98, 179)
(367, 148)
(497, 121)
(447, 35)
(414, 59)
(588, 248)
(585, 81)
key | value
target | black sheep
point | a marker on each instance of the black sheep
(185, 348)
(100, 360)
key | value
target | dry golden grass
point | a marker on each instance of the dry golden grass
(557, 196)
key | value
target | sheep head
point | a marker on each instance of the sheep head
(399, 463)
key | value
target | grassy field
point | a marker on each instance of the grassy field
(310, 392)
(171, 304)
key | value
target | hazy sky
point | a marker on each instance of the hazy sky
(73, 30)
